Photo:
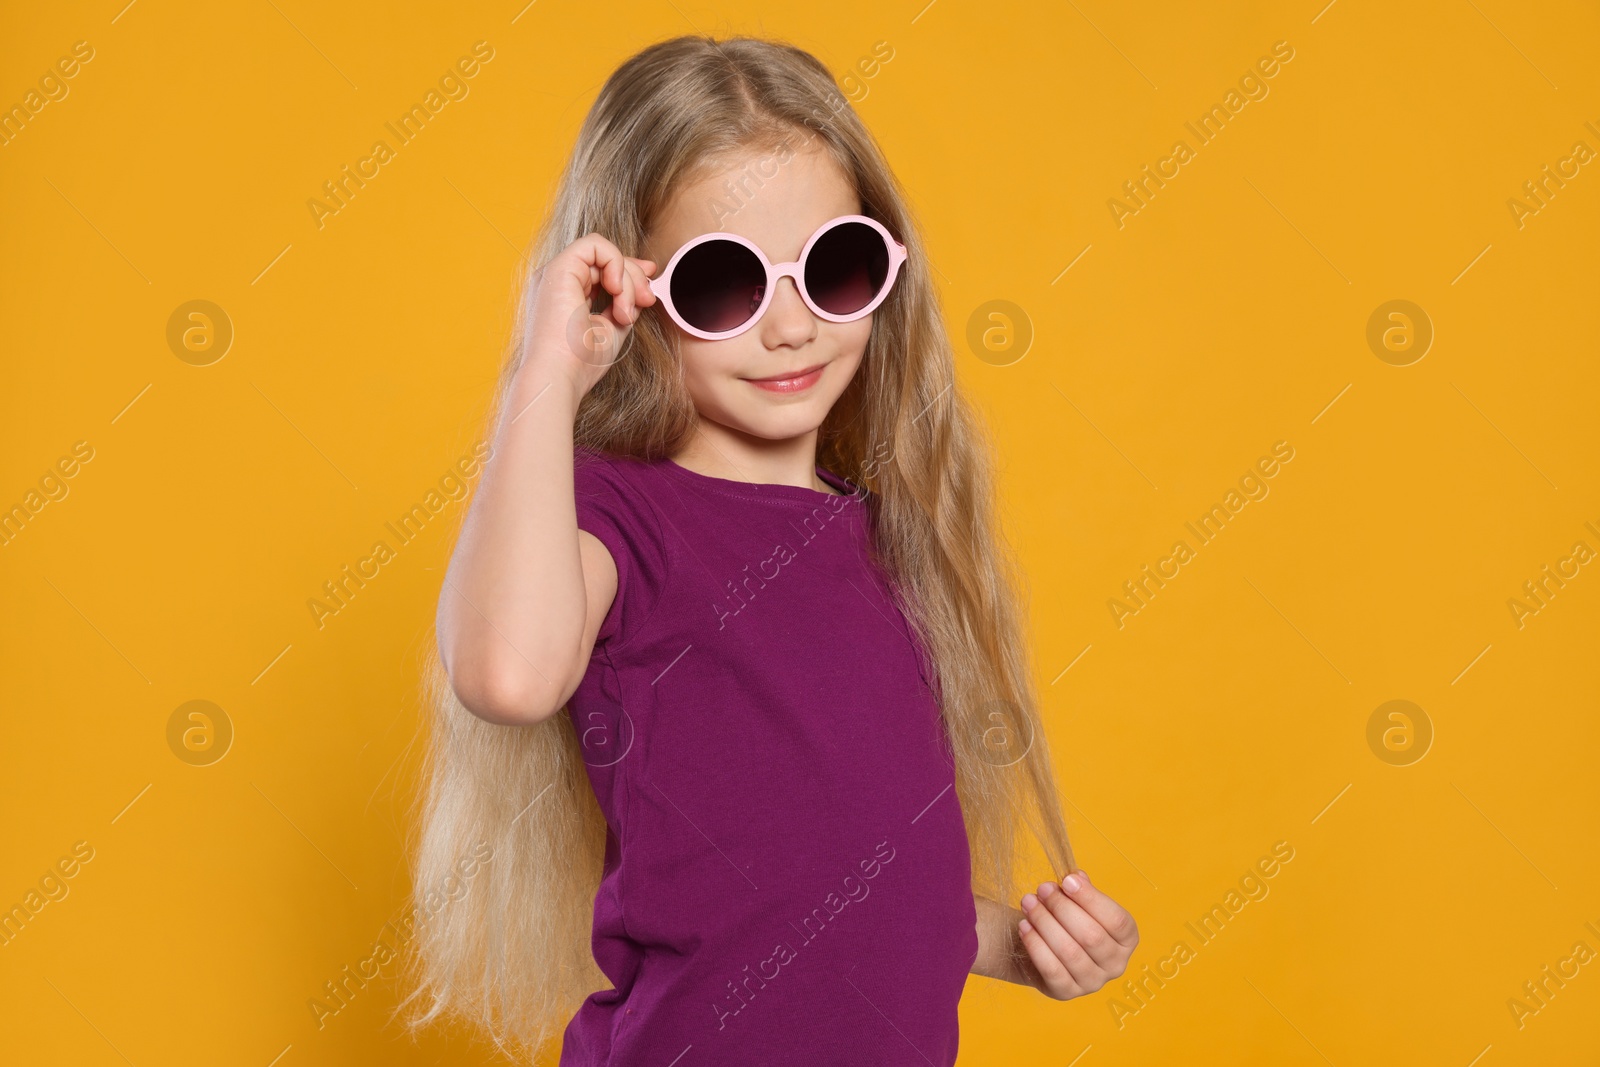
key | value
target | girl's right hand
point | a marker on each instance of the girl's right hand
(566, 337)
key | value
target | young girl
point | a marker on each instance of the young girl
(732, 685)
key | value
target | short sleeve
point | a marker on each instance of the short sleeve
(613, 505)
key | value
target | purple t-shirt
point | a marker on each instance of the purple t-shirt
(787, 878)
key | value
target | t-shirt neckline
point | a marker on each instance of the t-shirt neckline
(848, 491)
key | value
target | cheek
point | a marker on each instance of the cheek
(851, 340)
(853, 335)
(692, 358)
(708, 367)
(702, 360)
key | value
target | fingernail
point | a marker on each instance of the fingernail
(1072, 883)
(1046, 889)
(1029, 902)
(1024, 926)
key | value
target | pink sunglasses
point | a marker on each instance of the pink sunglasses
(718, 284)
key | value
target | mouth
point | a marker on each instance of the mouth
(791, 382)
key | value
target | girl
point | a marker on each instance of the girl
(732, 683)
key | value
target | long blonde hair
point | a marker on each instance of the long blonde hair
(512, 952)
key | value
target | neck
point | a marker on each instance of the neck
(720, 452)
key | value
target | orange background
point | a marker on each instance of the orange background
(1167, 355)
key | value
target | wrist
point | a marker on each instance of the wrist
(540, 385)
(1019, 966)
(1014, 959)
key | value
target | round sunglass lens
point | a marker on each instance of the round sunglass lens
(718, 285)
(846, 268)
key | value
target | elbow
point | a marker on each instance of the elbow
(507, 694)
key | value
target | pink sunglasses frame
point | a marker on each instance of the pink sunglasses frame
(661, 286)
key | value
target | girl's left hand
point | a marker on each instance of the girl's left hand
(1077, 937)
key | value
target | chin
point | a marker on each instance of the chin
(780, 429)
(777, 423)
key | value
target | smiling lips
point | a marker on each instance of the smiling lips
(791, 383)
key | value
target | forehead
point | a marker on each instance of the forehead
(774, 205)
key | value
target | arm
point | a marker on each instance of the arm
(526, 590)
(1000, 952)
(515, 599)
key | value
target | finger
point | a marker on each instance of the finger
(603, 259)
(604, 265)
(633, 280)
(1058, 981)
(623, 310)
(1085, 972)
(628, 298)
(613, 278)
(1113, 917)
(624, 298)
(642, 294)
(1082, 927)
(647, 269)
(611, 272)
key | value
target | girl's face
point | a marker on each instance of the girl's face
(777, 214)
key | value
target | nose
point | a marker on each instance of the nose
(788, 319)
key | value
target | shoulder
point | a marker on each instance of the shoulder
(613, 498)
(616, 492)
(595, 464)
(599, 474)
